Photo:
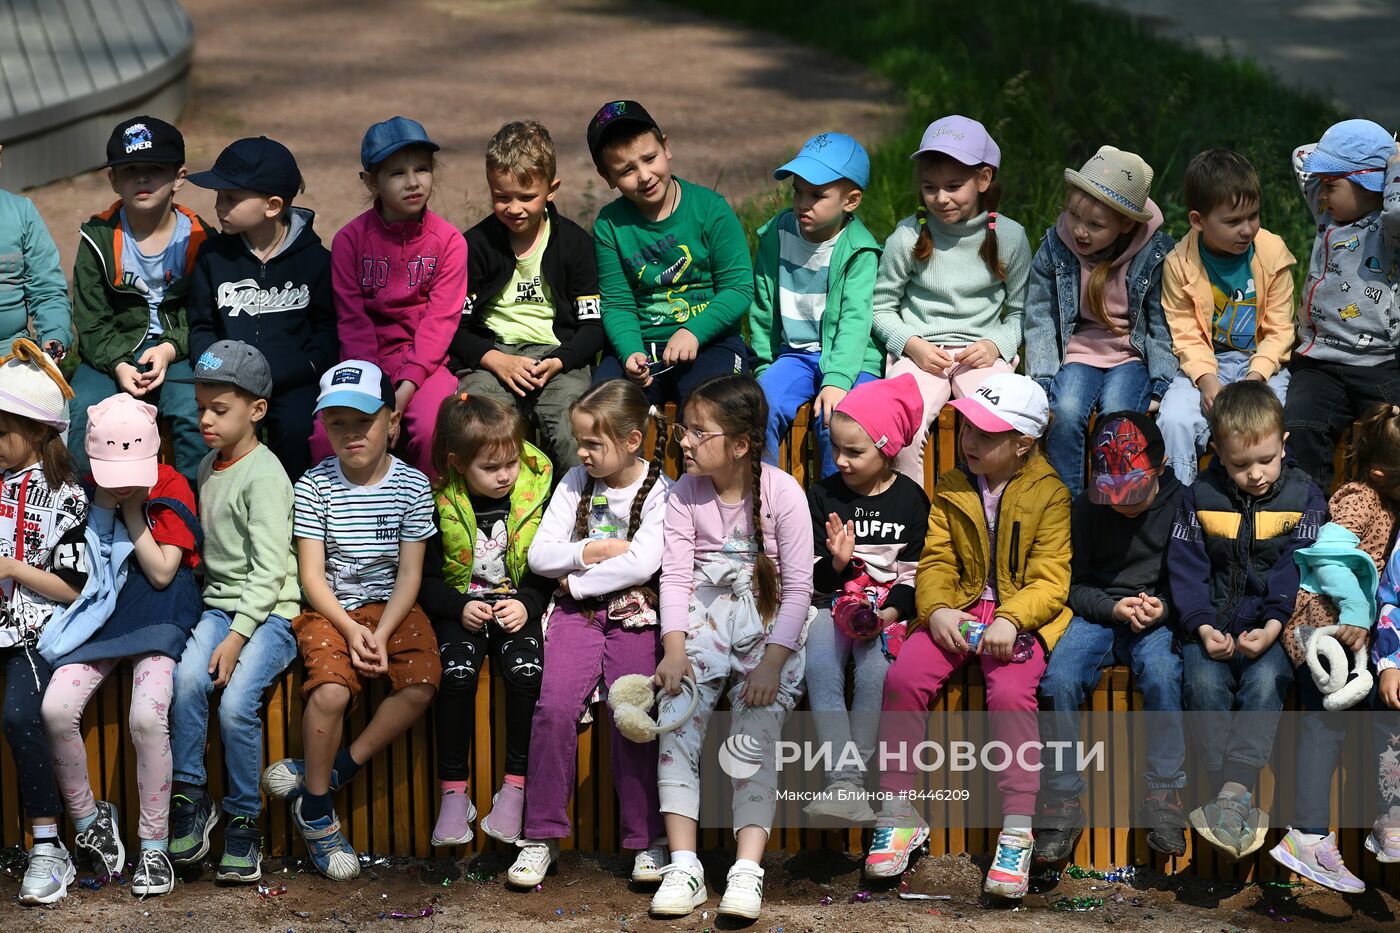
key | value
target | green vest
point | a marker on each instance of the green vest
(458, 521)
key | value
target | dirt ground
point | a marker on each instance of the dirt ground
(815, 891)
(316, 73)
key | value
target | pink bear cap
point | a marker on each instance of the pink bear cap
(123, 442)
(889, 410)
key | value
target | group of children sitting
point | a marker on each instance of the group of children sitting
(310, 536)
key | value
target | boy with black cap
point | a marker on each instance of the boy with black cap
(130, 287)
(244, 640)
(1119, 528)
(266, 280)
(673, 264)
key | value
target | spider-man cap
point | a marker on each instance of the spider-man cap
(1126, 459)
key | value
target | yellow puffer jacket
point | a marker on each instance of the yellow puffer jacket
(1033, 550)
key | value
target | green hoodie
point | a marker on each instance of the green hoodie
(109, 314)
(458, 521)
(848, 349)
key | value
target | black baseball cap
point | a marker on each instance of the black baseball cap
(612, 115)
(145, 139)
(253, 164)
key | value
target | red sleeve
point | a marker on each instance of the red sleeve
(166, 526)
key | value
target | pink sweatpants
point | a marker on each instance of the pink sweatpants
(936, 391)
(152, 682)
(914, 682)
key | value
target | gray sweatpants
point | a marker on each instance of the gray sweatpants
(548, 406)
(828, 650)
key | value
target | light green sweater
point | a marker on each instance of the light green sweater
(952, 299)
(250, 570)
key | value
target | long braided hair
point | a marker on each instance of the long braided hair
(738, 406)
(618, 408)
(988, 201)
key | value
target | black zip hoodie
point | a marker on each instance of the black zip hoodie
(568, 267)
(283, 306)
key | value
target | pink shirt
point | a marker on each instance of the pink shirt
(399, 290)
(698, 523)
(1091, 343)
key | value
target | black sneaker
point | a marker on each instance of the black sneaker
(242, 861)
(1058, 826)
(192, 820)
(1165, 818)
(101, 844)
(154, 874)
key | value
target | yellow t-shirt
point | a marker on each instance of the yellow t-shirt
(524, 310)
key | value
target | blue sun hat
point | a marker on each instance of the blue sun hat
(829, 157)
(1357, 148)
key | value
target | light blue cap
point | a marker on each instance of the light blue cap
(1353, 146)
(828, 157)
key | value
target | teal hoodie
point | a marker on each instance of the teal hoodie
(848, 349)
(31, 280)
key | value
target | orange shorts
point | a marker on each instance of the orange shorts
(413, 651)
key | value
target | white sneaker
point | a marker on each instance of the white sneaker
(48, 876)
(743, 893)
(682, 890)
(842, 800)
(647, 865)
(533, 862)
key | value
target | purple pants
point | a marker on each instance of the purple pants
(581, 645)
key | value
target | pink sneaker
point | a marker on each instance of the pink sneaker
(507, 817)
(454, 822)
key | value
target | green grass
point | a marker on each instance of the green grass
(1052, 80)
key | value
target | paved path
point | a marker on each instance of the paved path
(1346, 50)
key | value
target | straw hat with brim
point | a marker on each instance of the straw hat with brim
(32, 387)
(1119, 179)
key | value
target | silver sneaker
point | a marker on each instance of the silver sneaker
(154, 874)
(101, 843)
(49, 874)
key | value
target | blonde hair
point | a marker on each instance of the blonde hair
(523, 150)
(1248, 410)
(468, 425)
(1098, 276)
(618, 408)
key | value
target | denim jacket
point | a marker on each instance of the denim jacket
(1052, 308)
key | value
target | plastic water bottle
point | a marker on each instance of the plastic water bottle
(601, 523)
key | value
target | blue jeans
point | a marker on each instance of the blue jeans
(1080, 656)
(1079, 389)
(1184, 428)
(792, 381)
(175, 401)
(1246, 697)
(1322, 735)
(263, 659)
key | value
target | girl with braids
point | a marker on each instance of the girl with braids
(952, 282)
(601, 539)
(736, 602)
(483, 600)
(1096, 335)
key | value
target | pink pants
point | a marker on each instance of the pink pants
(152, 682)
(935, 390)
(914, 682)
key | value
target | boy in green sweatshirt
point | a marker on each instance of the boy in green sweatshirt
(244, 640)
(673, 264)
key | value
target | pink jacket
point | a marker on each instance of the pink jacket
(399, 290)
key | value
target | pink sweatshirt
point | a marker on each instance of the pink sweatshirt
(698, 523)
(399, 290)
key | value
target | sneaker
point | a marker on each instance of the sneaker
(1231, 825)
(330, 851)
(49, 874)
(1384, 840)
(1317, 861)
(743, 893)
(682, 890)
(101, 844)
(894, 843)
(454, 823)
(647, 864)
(192, 820)
(533, 863)
(1166, 822)
(286, 779)
(507, 817)
(242, 861)
(1010, 872)
(154, 874)
(1058, 825)
(842, 800)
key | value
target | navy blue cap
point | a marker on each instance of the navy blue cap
(384, 139)
(253, 164)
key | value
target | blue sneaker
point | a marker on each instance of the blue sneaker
(330, 851)
(286, 779)
(192, 820)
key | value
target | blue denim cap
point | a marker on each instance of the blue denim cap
(256, 164)
(1352, 146)
(828, 157)
(384, 139)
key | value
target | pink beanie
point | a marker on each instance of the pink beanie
(890, 411)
